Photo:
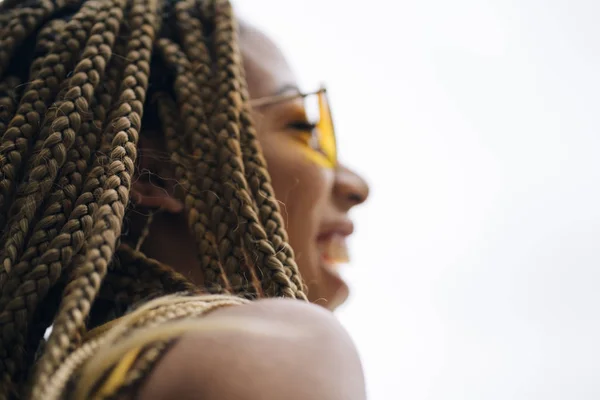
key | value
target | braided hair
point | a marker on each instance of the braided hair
(78, 79)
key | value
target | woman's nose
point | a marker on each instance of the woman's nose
(350, 189)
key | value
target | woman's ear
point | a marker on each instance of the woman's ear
(150, 195)
(149, 190)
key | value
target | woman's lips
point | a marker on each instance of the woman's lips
(342, 228)
(334, 250)
(332, 244)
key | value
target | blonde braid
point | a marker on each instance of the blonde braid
(8, 101)
(230, 250)
(107, 220)
(62, 201)
(51, 73)
(198, 200)
(225, 123)
(216, 281)
(136, 265)
(44, 170)
(20, 22)
(45, 43)
(135, 278)
(139, 370)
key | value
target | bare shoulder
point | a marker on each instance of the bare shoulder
(268, 349)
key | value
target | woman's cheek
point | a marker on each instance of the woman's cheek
(299, 179)
(312, 185)
(310, 168)
(315, 157)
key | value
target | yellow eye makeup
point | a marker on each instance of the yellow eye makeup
(317, 157)
(319, 124)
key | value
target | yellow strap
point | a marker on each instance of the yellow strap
(115, 380)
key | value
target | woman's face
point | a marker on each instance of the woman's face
(314, 198)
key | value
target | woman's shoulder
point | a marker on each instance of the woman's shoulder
(267, 349)
(218, 346)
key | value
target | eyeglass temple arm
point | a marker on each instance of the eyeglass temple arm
(268, 100)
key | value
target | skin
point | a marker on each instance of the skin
(315, 200)
(318, 361)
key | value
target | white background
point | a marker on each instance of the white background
(476, 122)
(475, 271)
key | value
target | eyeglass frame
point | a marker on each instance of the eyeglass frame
(280, 98)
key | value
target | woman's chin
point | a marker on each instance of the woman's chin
(339, 298)
(336, 290)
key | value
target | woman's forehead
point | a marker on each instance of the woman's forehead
(267, 70)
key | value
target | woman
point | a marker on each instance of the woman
(106, 214)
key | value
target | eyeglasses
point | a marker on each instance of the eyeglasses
(323, 134)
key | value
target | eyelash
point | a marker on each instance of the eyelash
(310, 139)
(303, 126)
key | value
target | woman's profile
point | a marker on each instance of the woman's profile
(158, 164)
